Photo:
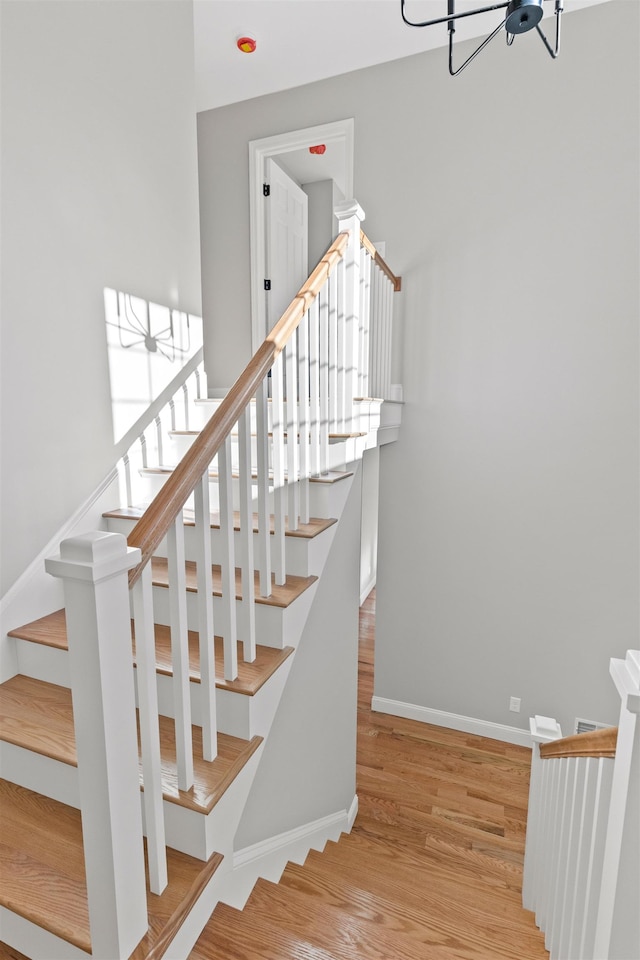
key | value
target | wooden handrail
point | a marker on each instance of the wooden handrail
(596, 743)
(396, 281)
(167, 504)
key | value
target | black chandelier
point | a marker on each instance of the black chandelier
(521, 16)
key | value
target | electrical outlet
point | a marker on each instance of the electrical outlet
(514, 704)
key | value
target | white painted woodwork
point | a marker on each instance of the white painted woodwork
(365, 323)
(334, 280)
(292, 448)
(323, 384)
(262, 468)
(617, 932)
(288, 233)
(94, 570)
(149, 730)
(350, 215)
(278, 470)
(180, 652)
(227, 562)
(314, 387)
(206, 631)
(304, 416)
(248, 617)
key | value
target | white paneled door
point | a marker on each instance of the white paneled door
(287, 232)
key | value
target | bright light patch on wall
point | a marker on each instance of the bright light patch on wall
(147, 344)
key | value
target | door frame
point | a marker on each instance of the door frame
(259, 151)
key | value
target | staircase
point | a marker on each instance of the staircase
(123, 787)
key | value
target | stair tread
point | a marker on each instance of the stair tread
(51, 630)
(251, 676)
(332, 476)
(22, 695)
(332, 436)
(282, 595)
(305, 531)
(43, 873)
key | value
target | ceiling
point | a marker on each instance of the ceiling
(299, 41)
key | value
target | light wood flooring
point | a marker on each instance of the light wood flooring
(432, 869)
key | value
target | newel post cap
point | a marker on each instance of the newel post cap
(348, 208)
(93, 556)
(544, 729)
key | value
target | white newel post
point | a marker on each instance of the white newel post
(617, 934)
(350, 215)
(94, 569)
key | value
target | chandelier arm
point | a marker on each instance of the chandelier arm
(553, 53)
(452, 16)
(454, 73)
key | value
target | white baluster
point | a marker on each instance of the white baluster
(94, 569)
(248, 623)
(340, 423)
(350, 215)
(596, 853)
(262, 466)
(205, 619)
(304, 415)
(365, 322)
(279, 489)
(323, 383)
(146, 681)
(185, 400)
(388, 328)
(159, 441)
(143, 450)
(228, 566)
(558, 858)
(333, 349)
(196, 374)
(180, 653)
(314, 387)
(127, 479)
(291, 361)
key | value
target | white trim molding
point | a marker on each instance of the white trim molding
(441, 718)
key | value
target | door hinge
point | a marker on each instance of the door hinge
(266, 190)
(267, 284)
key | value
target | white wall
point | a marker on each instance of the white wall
(508, 198)
(99, 189)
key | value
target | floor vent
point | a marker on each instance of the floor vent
(588, 726)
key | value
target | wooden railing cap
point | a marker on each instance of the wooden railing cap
(596, 743)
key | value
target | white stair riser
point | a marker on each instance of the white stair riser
(237, 714)
(275, 626)
(40, 662)
(187, 830)
(304, 557)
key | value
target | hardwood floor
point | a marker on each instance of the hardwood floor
(432, 869)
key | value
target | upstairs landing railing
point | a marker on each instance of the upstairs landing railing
(582, 859)
(319, 357)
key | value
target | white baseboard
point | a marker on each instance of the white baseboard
(364, 592)
(440, 718)
(268, 858)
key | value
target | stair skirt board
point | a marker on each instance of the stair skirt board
(441, 718)
(268, 858)
(32, 940)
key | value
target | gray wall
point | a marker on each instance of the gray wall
(308, 767)
(99, 189)
(508, 198)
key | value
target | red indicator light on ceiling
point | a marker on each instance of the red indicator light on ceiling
(318, 149)
(246, 44)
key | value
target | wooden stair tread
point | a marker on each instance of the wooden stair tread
(38, 716)
(43, 874)
(332, 476)
(21, 695)
(282, 595)
(42, 860)
(305, 531)
(251, 676)
(50, 630)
